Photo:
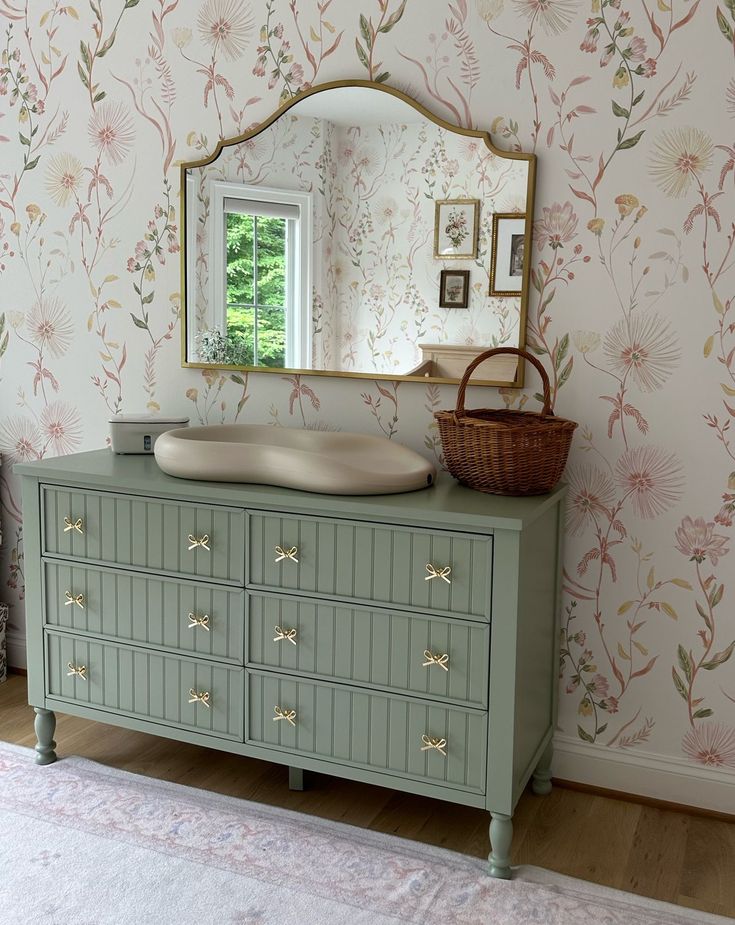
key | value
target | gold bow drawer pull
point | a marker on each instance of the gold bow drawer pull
(71, 599)
(198, 542)
(200, 621)
(79, 671)
(288, 715)
(432, 743)
(431, 659)
(199, 697)
(281, 633)
(434, 572)
(76, 525)
(282, 553)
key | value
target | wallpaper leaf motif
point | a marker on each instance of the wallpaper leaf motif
(633, 280)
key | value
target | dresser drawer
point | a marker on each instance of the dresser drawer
(146, 684)
(425, 570)
(189, 617)
(429, 656)
(375, 731)
(164, 536)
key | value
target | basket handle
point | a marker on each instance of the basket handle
(546, 410)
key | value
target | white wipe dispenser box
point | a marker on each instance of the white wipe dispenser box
(137, 433)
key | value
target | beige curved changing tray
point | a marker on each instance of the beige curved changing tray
(310, 460)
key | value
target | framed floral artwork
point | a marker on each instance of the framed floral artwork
(454, 289)
(456, 224)
(508, 254)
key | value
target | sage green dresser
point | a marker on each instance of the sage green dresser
(403, 640)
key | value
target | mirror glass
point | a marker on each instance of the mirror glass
(354, 234)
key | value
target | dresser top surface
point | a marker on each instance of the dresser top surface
(446, 503)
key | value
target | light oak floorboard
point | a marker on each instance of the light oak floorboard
(672, 856)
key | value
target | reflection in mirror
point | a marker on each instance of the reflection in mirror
(311, 244)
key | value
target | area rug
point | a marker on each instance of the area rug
(84, 843)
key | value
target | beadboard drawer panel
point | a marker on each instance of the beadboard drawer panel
(369, 730)
(125, 530)
(376, 647)
(380, 564)
(146, 684)
(189, 617)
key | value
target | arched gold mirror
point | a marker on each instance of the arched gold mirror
(353, 233)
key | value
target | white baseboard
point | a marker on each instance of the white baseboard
(662, 777)
(17, 650)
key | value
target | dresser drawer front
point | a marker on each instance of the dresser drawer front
(428, 656)
(188, 617)
(138, 533)
(370, 730)
(380, 564)
(146, 684)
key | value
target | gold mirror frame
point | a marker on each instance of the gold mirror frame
(437, 120)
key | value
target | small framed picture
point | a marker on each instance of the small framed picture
(456, 223)
(454, 289)
(508, 254)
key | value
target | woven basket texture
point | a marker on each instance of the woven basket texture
(501, 451)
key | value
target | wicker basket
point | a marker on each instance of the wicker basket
(505, 452)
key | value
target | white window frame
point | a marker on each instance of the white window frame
(298, 323)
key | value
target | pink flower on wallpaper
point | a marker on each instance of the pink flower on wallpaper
(226, 25)
(365, 160)
(725, 514)
(602, 685)
(63, 178)
(111, 131)
(591, 493)
(20, 439)
(607, 55)
(557, 227)
(386, 211)
(554, 15)
(637, 49)
(589, 42)
(610, 704)
(473, 150)
(651, 478)
(711, 744)
(50, 326)
(697, 540)
(680, 156)
(644, 348)
(61, 427)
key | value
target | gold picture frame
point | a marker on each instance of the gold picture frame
(508, 250)
(452, 214)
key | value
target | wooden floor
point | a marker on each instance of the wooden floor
(672, 856)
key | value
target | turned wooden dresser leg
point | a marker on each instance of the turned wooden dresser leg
(295, 778)
(45, 726)
(541, 784)
(501, 835)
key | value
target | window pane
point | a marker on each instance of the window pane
(239, 231)
(272, 261)
(241, 334)
(271, 337)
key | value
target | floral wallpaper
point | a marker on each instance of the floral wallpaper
(387, 179)
(374, 189)
(630, 107)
